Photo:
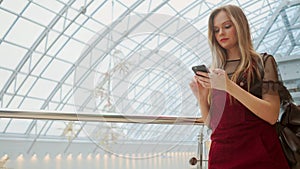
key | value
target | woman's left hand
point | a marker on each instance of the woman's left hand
(218, 79)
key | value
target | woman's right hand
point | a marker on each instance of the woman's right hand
(199, 91)
(200, 87)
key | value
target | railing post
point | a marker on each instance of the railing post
(200, 148)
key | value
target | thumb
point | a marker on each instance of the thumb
(219, 71)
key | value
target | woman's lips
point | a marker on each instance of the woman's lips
(224, 39)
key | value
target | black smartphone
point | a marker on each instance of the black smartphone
(201, 68)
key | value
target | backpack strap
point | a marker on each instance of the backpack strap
(264, 57)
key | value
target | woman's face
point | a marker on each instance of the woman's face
(224, 30)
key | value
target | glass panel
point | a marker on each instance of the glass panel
(71, 51)
(4, 75)
(24, 33)
(17, 6)
(14, 103)
(42, 88)
(296, 50)
(68, 107)
(20, 78)
(18, 126)
(179, 5)
(88, 130)
(147, 6)
(213, 1)
(27, 85)
(96, 5)
(63, 91)
(6, 21)
(56, 70)
(84, 35)
(71, 29)
(3, 123)
(104, 14)
(38, 62)
(12, 55)
(38, 14)
(55, 6)
(55, 43)
(57, 128)
(93, 25)
(31, 104)
(38, 126)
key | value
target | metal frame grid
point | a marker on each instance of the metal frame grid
(43, 43)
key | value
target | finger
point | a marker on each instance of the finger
(212, 75)
(204, 82)
(203, 79)
(193, 81)
(218, 71)
(206, 85)
(194, 84)
(203, 74)
(199, 81)
(195, 78)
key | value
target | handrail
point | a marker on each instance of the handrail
(88, 117)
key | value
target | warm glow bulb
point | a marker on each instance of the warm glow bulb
(47, 157)
(34, 157)
(20, 158)
(79, 157)
(5, 157)
(58, 157)
(89, 157)
(98, 156)
(69, 157)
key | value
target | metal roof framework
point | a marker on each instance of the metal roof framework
(121, 57)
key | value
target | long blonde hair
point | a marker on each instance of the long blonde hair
(248, 54)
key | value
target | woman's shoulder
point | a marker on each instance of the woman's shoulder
(266, 56)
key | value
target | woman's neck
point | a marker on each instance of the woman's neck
(233, 54)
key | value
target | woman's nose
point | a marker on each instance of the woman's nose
(221, 31)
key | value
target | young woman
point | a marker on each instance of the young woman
(239, 98)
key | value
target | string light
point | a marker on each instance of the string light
(79, 157)
(89, 157)
(20, 158)
(3, 160)
(98, 156)
(5, 157)
(34, 157)
(69, 157)
(58, 157)
(47, 157)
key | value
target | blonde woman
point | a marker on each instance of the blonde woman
(239, 97)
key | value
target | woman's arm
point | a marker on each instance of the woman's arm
(201, 94)
(266, 108)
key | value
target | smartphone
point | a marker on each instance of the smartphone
(201, 68)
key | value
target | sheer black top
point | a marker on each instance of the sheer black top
(271, 82)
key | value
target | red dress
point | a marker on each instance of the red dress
(240, 139)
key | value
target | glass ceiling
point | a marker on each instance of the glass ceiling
(122, 57)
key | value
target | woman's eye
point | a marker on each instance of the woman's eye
(227, 26)
(216, 30)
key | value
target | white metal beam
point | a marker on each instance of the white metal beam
(115, 118)
(285, 4)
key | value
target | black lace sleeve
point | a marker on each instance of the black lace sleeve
(272, 83)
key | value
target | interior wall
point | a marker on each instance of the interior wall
(173, 160)
(56, 155)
